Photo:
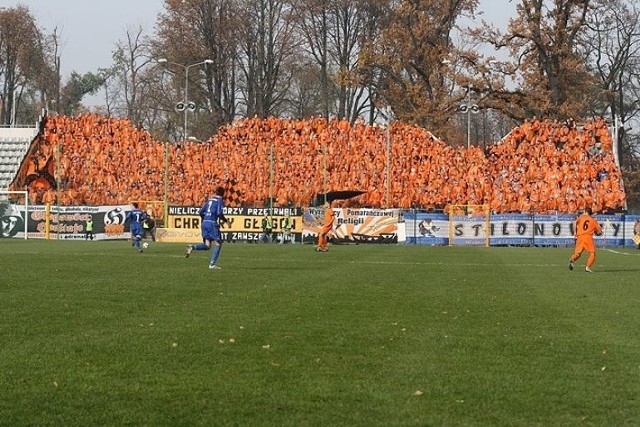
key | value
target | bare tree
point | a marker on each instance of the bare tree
(551, 78)
(126, 77)
(612, 45)
(21, 58)
(416, 40)
(52, 95)
(305, 93)
(313, 22)
(349, 23)
(190, 31)
(335, 34)
(267, 50)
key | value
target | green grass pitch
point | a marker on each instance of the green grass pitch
(93, 333)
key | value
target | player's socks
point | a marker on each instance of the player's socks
(215, 254)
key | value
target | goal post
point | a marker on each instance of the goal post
(14, 214)
(469, 225)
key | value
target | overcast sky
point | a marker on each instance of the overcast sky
(90, 28)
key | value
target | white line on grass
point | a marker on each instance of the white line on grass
(323, 261)
(622, 253)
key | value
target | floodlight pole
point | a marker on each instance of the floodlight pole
(186, 69)
(271, 179)
(388, 162)
(469, 116)
(166, 183)
(324, 171)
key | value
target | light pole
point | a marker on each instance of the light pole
(185, 106)
(469, 107)
(388, 114)
(180, 107)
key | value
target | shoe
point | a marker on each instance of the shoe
(570, 265)
(188, 251)
(588, 270)
(214, 267)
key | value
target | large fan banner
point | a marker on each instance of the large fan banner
(245, 224)
(68, 222)
(353, 225)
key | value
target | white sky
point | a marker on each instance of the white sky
(90, 28)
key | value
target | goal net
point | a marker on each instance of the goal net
(469, 225)
(13, 214)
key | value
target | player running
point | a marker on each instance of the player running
(586, 227)
(136, 218)
(212, 215)
(327, 226)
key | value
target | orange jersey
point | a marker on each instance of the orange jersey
(327, 225)
(586, 225)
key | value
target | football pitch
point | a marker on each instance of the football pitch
(95, 334)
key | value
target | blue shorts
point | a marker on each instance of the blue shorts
(136, 231)
(211, 231)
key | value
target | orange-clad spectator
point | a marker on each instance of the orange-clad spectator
(106, 161)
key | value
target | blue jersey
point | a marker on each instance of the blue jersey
(137, 217)
(210, 213)
(212, 210)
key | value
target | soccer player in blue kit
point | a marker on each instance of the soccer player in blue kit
(136, 218)
(212, 215)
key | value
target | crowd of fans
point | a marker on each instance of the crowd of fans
(542, 166)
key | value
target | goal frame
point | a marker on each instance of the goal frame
(469, 210)
(24, 195)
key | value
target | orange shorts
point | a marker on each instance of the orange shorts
(585, 243)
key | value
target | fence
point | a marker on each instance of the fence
(358, 226)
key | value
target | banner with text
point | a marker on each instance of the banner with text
(513, 229)
(245, 224)
(353, 225)
(69, 222)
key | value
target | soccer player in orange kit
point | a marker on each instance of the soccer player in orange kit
(327, 226)
(586, 227)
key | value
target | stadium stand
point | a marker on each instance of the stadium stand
(14, 144)
(542, 166)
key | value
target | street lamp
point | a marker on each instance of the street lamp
(185, 106)
(469, 107)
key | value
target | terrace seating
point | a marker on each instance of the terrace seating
(14, 145)
(541, 165)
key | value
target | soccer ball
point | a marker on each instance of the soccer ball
(145, 245)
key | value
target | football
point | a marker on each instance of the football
(598, 233)
(145, 245)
